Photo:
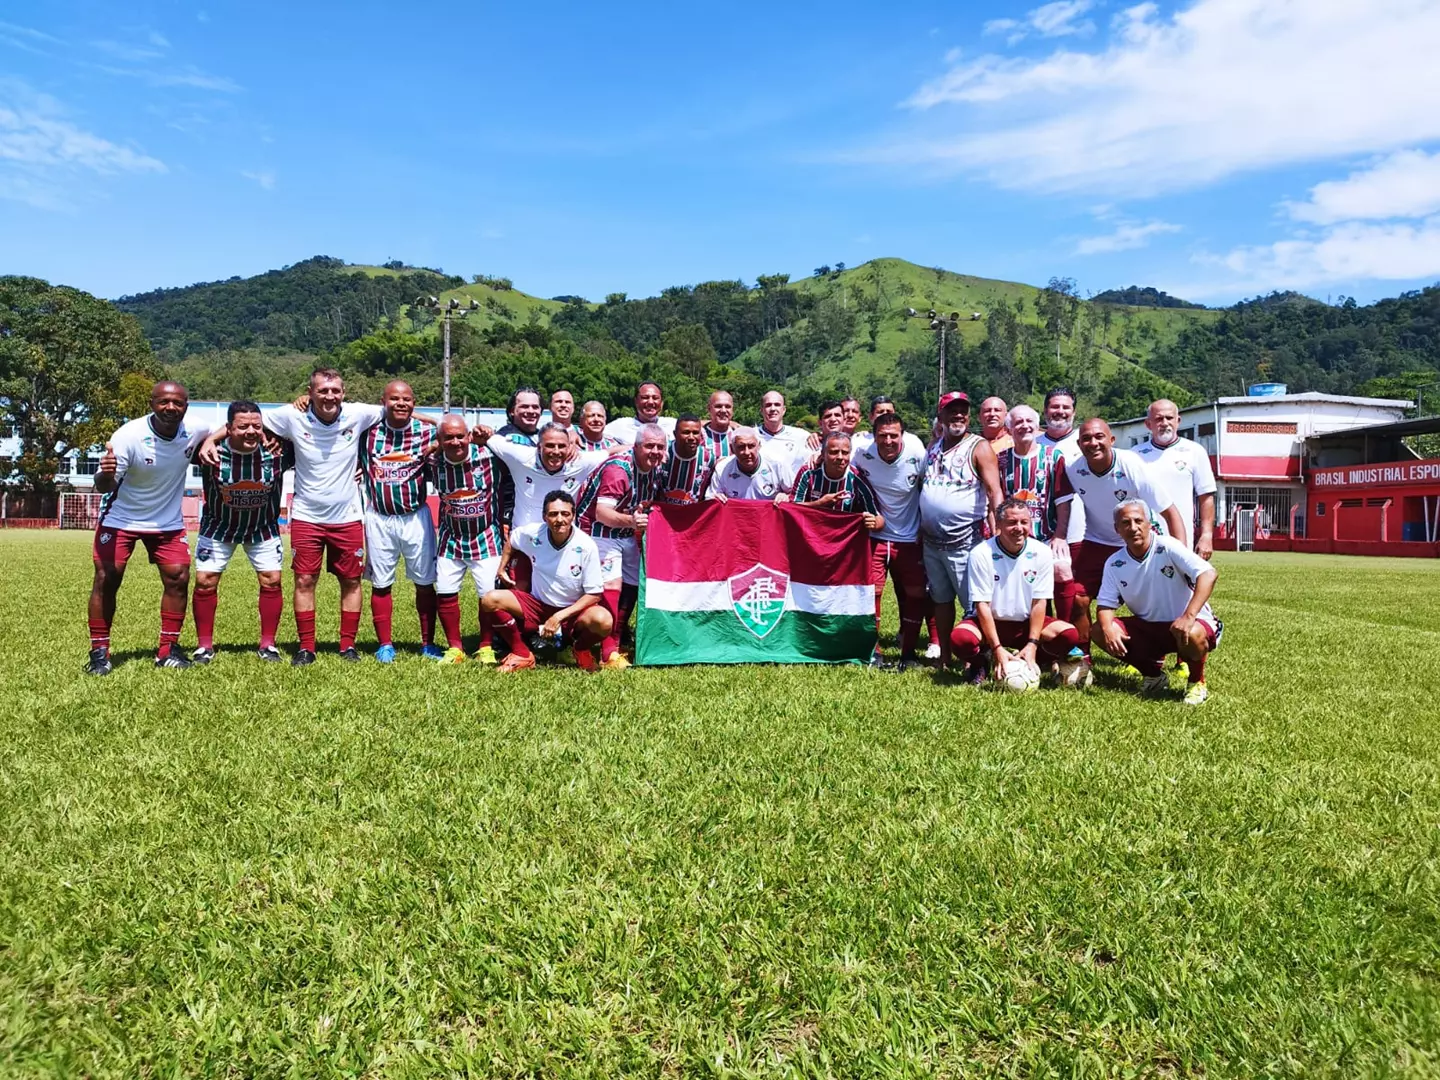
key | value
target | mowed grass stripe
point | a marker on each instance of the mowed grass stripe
(408, 871)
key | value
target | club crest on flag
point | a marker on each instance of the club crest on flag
(758, 597)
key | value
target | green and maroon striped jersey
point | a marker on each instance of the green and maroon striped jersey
(1033, 480)
(617, 479)
(469, 504)
(683, 480)
(393, 460)
(242, 494)
(859, 495)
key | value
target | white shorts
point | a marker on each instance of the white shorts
(212, 556)
(619, 559)
(450, 574)
(390, 536)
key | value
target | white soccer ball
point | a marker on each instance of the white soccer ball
(1020, 677)
(1075, 674)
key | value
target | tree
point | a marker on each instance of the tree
(688, 348)
(64, 358)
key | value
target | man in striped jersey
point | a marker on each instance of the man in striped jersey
(592, 427)
(612, 507)
(242, 510)
(720, 424)
(836, 485)
(1030, 470)
(466, 477)
(686, 472)
(397, 517)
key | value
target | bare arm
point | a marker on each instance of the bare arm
(1173, 523)
(1205, 537)
(987, 467)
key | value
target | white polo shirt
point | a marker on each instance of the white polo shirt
(533, 483)
(325, 456)
(1011, 584)
(1127, 478)
(149, 477)
(795, 436)
(1182, 470)
(560, 576)
(1158, 587)
(767, 481)
(626, 429)
(896, 484)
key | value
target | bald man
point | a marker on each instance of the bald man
(1182, 467)
(993, 413)
(719, 425)
(397, 517)
(142, 476)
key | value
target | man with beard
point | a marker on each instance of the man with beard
(1182, 468)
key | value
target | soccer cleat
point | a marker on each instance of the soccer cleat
(516, 662)
(452, 656)
(350, 655)
(174, 658)
(932, 651)
(269, 654)
(302, 658)
(907, 661)
(1197, 694)
(486, 654)
(99, 663)
(616, 662)
(975, 674)
(1182, 669)
(385, 654)
(1154, 684)
(432, 652)
(202, 656)
(585, 660)
(878, 662)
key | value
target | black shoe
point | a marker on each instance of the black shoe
(877, 662)
(269, 654)
(302, 657)
(350, 655)
(907, 661)
(99, 663)
(975, 674)
(202, 656)
(175, 658)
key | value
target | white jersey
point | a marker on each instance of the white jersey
(1182, 470)
(1128, 478)
(325, 457)
(1011, 584)
(1157, 587)
(626, 429)
(1069, 447)
(797, 437)
(768, 480)
(560, 576)
(149, 477)
(952, 499)
(533, 483)
(896, 484)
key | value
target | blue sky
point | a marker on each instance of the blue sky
(1216, 149)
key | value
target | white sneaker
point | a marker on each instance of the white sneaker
(932, 651)
(1197, 694)
(1154, 684)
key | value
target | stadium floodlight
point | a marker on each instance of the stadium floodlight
(910, 312)
(474, 304)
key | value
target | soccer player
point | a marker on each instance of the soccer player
(685, 475)
(1167, 588)
(1059, 417)
(836, 485)
(1011, 579)
(612, 506)
(649, 401)
(1102, 478)
(773, 428)
(993, 414)
(850, 415)
(747, 473)
(592, 428)
(892, 466)
(1029, 470)
(539, 470)
(142, 476)
(470, 540)
(523, 412)
(397, 517)
(565, 597)
(719, 425)
(242, 510)
(832, 418)
(959, 492)
(1182, 467)
(562, 408)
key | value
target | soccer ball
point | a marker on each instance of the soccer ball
(1020, 677)
(1075, 674)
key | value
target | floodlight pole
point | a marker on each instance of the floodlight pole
(445, 399)
(432, 303)
(941, 325)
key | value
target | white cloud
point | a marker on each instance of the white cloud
(264, 177)
(158, 40)
(1127, 236)
(189, 77)
(1403, 185)
(1056, 19)
(1001, 26)
(124, 51)
(1179, 101)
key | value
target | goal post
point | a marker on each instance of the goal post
(79, 510)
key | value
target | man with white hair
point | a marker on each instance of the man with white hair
(592, 427)
(1182, 467)
(1029, 470)
(747, 473)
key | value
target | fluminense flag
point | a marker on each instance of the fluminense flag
(745, 582)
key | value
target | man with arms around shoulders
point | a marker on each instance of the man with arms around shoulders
(565, 597)
(592, 428)
(242, 510)
(1058, 413)
(685, 475)
(1167, 588)
(142, 478)
(538, 470)
(748, 473)
(649, 402)
(1012, 579)
(1182, 468)
(470, 540)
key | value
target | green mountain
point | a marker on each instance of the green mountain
(1135, 296)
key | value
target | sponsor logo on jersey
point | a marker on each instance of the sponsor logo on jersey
(758, 598)
(464, 503)
(393, 468)
(246, 494)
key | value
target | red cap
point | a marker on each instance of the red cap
(950, 399)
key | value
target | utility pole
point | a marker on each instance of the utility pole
(941, 325)
(432, 303)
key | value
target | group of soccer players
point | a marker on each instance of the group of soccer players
(1018, 528)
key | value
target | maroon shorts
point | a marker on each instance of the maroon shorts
(1013, 634)
(1150, 642)
(1087, 563)
(905, 564)
(113, 547)
(342, 547)
(534, 612)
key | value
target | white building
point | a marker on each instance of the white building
(1257, 444)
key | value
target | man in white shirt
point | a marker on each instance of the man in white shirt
(747, 473)
(1182, 468)
(649, 401)
(1012, 577)
(562, 408)
(1167, 588)
(773, 429)
(540, 470)
(1060, 433)
(564, 598)
(142, 476)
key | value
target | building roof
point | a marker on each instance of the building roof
(1309, 396)
(1424, 425)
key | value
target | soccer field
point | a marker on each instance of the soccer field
(252, 870)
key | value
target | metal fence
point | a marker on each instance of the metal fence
(1272, 506)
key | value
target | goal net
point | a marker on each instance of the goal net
(79, 510)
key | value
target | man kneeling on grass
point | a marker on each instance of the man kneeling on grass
(1167, 588)
(565, 588)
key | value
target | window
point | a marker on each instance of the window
(87, 466)
(1319, 509)
(1273, 504)
(1187, 433)
(1207, 429)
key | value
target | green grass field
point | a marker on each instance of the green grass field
(407, 872)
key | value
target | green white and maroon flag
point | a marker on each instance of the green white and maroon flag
(745, 582)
